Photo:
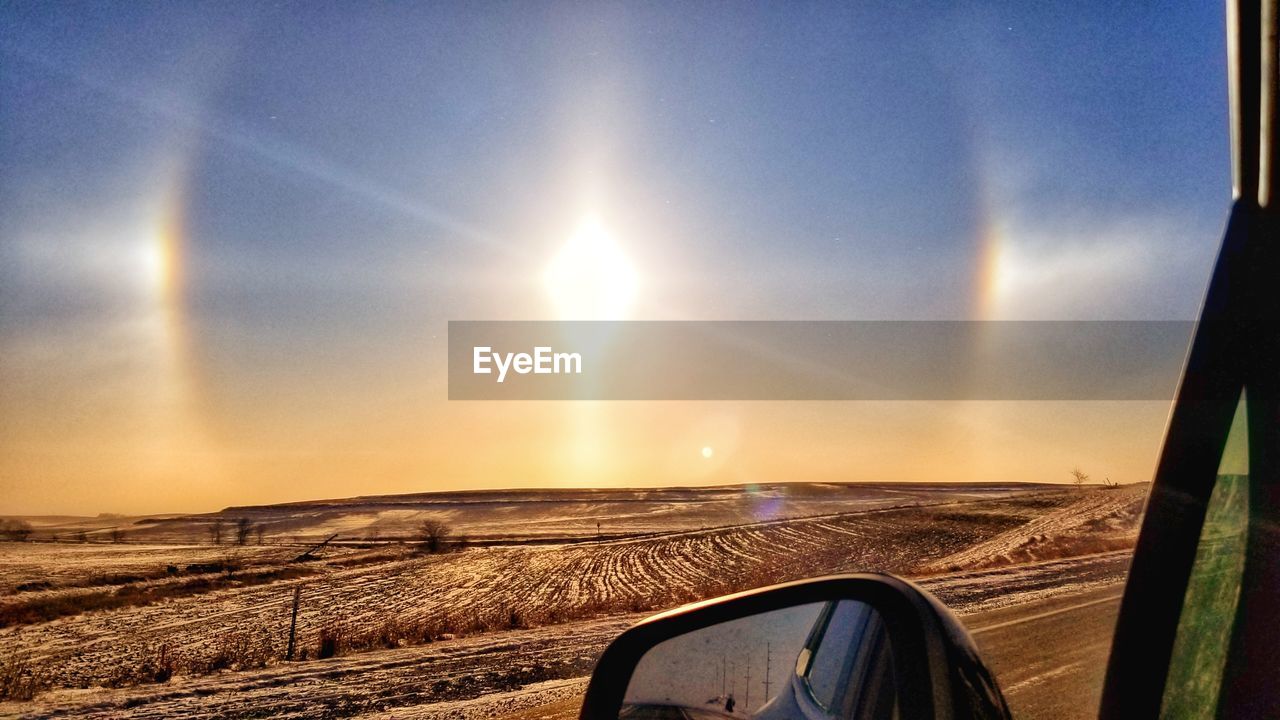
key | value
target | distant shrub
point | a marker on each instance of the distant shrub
(162, 666)
(515, 619)
(236, 651)
(243, 528)
(15, 530)
(330, 642)
(435, 536)
(33, 586)
(156, 664)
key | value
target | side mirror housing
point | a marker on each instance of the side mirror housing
(863, 646)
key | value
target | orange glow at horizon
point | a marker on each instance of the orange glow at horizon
(359, 425)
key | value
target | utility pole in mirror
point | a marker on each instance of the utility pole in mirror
(768, 658)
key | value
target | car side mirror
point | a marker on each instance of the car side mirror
(851, 646)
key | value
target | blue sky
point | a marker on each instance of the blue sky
(334, 182)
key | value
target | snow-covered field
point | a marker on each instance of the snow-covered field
(415, 631)
(523, 515)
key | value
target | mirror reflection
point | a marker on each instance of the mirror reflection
(821, 660)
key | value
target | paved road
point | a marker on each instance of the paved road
(1050, 655)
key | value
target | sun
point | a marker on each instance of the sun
(707, 452)
(590, 278)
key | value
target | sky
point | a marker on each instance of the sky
(231, 238)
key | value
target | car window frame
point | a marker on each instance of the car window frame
(1235, 349)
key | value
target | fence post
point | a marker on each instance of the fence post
(293, 622)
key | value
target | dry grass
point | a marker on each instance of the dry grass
(233, 651)
(20, 679)
(135, 594)
(236, 651)
(160, 663)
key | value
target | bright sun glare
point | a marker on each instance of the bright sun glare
(590, 278)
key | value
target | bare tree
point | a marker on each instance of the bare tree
(259, 530)
(434, 535)
(117, 535)
(1080, 477)
(16, 530)
(244, 526)
(215, 530)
